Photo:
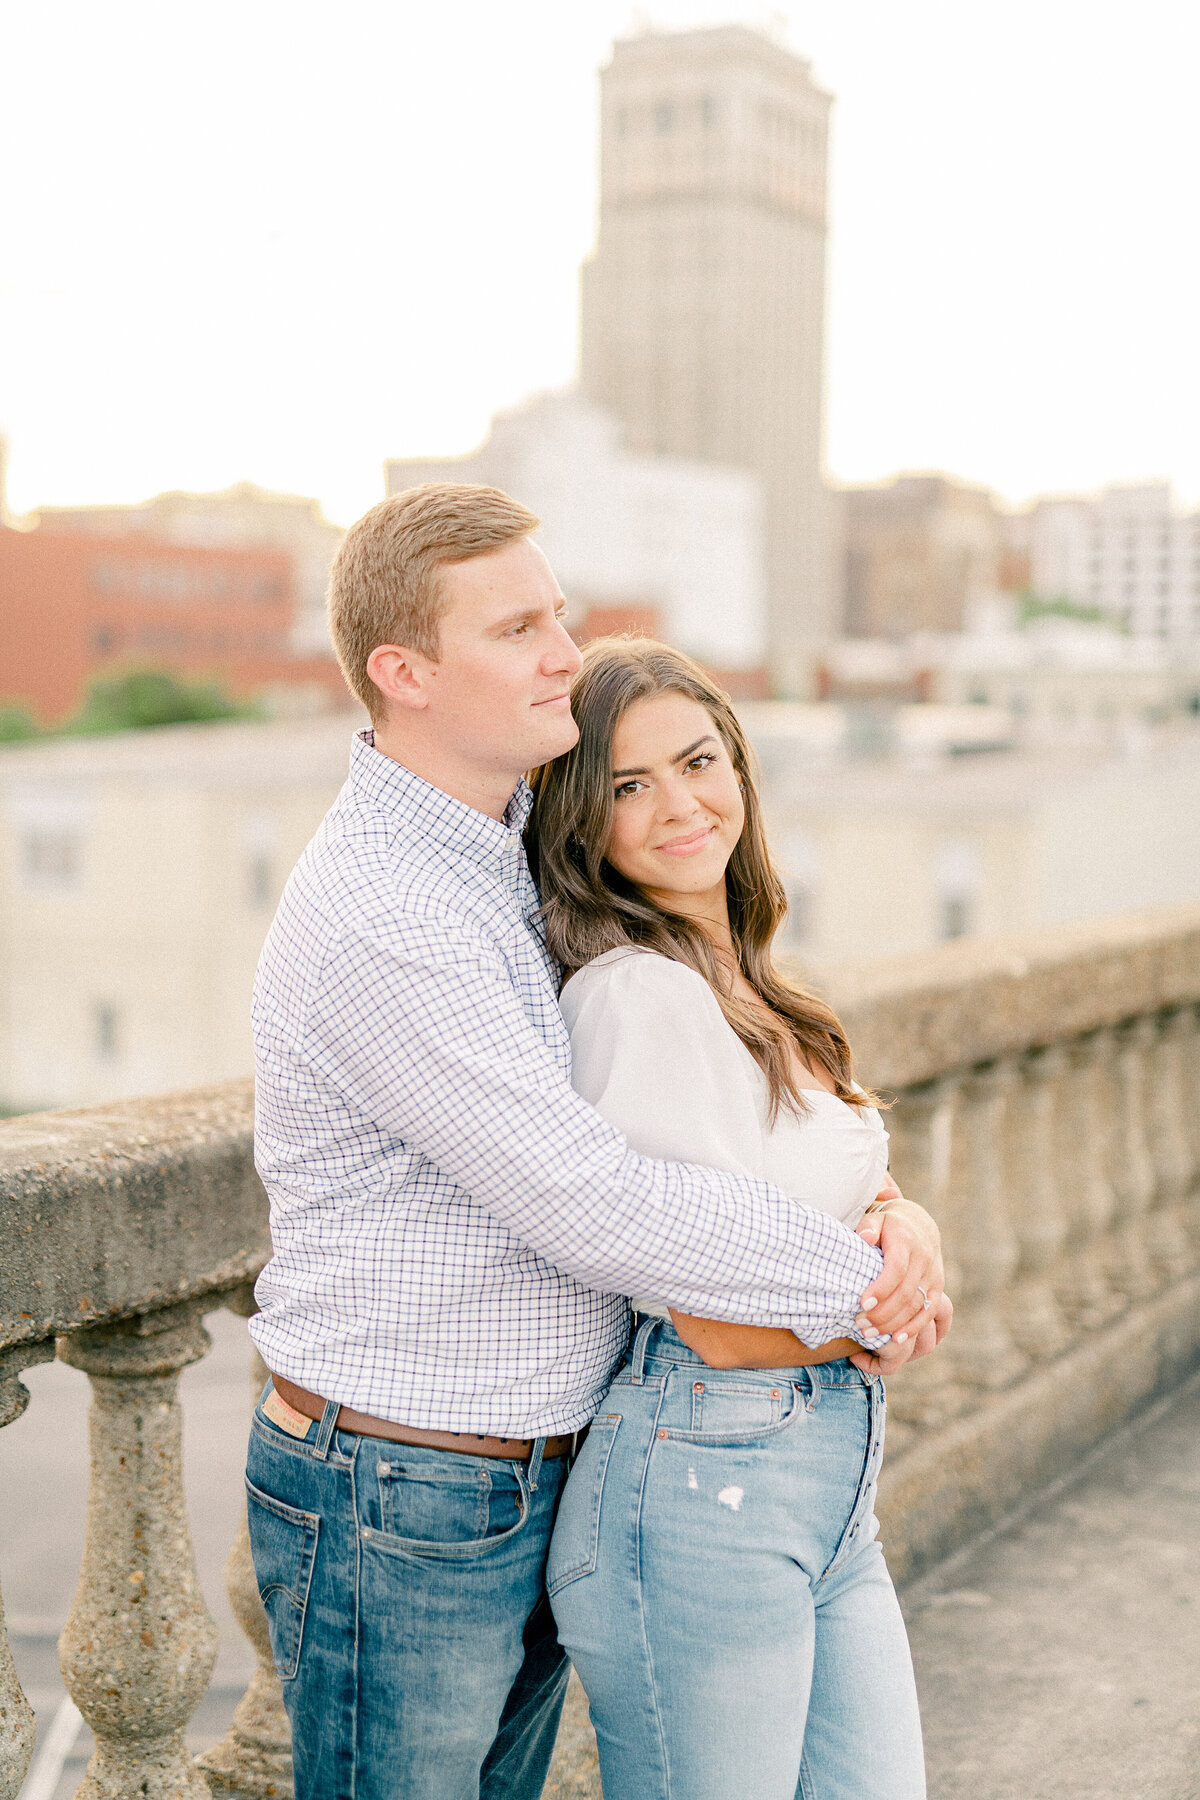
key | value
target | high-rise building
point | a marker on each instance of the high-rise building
(704, 302)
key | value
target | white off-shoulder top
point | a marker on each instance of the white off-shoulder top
(653, 1053)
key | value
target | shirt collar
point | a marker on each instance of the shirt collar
(432, 814)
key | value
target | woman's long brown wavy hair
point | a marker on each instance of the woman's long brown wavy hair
(588, 907)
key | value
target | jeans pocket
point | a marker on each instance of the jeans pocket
(575, 1544)
(726, 1413)
(446, 1506)
(283, 1542)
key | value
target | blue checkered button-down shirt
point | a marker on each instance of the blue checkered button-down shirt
(453, 1226)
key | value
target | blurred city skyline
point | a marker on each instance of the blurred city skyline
(278, 243)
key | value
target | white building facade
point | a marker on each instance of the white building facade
(1130, 551)
(628, 529)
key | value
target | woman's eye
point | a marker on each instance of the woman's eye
(702, 761)
(625, 789)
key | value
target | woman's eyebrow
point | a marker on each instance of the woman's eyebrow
(708, 738)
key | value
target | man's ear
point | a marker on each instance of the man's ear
(401, 675)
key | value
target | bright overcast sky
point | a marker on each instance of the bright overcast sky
(281, 241)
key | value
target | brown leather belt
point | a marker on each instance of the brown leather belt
(464, 1442)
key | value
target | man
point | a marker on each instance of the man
(452, 1225)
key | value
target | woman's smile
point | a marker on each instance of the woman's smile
(687, 846)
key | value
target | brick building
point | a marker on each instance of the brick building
(75, 607)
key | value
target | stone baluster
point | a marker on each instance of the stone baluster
(253, 1761)
(920, 1124)
(1171, 1151)
(1081, 1163)
(1189, 1050)
(138, 1648)
(986, 1252)
(16, 1714)
(1130, 1268)
(1038, 1210)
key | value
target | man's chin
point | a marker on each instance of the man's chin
(560, 736)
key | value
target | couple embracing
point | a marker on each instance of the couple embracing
(587, 1265)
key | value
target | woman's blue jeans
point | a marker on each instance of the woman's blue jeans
(717, 1583)
(404, 1594)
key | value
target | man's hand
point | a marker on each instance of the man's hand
(893, 1356)
(904, 1297)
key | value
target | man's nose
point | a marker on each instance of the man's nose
(563, 657)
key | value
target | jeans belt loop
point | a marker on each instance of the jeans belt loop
(535, 1463)
(638, 1371)
(326, 1428)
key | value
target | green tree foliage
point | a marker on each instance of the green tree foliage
(1035, 606)
(15, 725)
(146, 697)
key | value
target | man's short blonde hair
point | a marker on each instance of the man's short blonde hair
(384, 587)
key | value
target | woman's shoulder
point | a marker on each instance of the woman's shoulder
(630, 974)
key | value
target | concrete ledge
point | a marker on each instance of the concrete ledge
(120, 1209)
(914, 1017)
(953, 1483)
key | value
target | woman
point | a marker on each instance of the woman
(714, 1571)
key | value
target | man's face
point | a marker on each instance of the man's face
(499, 692)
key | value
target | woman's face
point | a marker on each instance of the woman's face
(677, 802)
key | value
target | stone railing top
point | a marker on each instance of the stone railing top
(914, 1017)
(114, 1210)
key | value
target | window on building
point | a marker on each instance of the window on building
(104, 1030)
(957, 879)
(53, 857)
(708, 111)
(622, 121)
(50, 832)
(800, 860)
(664, 116)
(259, 884)
(260, 844)
(954, 919)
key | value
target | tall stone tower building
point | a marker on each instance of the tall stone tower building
(704, 302)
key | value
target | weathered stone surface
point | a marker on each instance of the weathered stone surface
(953, 1483)
(17, 1726)
(915, 1017)
(138, 1649)
(254, 1759)
(119, 1209)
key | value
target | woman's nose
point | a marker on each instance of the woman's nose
(675, 799)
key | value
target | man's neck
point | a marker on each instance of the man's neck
(487, 789)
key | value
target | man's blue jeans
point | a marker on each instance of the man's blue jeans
(719, 1587)
(404, 1592)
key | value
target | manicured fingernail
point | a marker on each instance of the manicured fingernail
(869, 1302)
(902, 1337)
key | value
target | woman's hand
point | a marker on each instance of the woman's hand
(893, 1356)
(906, 1295)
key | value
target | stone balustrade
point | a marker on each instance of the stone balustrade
(1047, 1109)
